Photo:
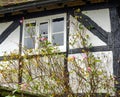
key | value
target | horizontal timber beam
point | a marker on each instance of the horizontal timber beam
(71, 51)
(93, 49)
(30, 5)
(5, 91)
(56, 11)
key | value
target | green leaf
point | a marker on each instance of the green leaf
(90, 45)
(99, 72)
(97, 61)
(14, 91)
(91, 27)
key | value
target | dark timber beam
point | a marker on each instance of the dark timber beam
(114, 41)
(7, 14)
(118, 9)
(93, 49)
(4, 91)
(20, 61)
(38, 3)
(66, 72)
(70, 51)
(86, 1)
(93, 27)
(25, 6)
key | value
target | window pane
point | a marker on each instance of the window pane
(58, 39)
(29, 43)
(30, 29)
(58, 25)
(43, 28)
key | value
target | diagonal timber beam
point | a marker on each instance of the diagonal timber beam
(8, 30)
(93, 27)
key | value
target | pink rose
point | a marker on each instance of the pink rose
(84, 56)
(89, 69)
(74, 57)
(71, 58)
(24, 86)
(43, 39)
(21, 21)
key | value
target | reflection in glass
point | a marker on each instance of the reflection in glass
(58, 25)
(30, 29)
(43, 28)
(58, 39)
(29, 43)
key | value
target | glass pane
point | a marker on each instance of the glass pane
(58, 39)
(43, 28)
(29, 43)
(58, 25)
(30, 29)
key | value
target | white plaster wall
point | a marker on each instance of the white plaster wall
(101, 17)
(94, 40)
(11, 42)
(106, 58)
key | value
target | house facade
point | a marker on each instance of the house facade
(54, 20)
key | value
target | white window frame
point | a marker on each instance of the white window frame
(49, 20)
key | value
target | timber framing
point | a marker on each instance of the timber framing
(112, 39)
(91, 25)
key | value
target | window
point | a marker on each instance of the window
(52, 28)
(58, 31)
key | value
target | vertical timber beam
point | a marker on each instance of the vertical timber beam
(20, 52)
(66, 72)
(114, 43)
